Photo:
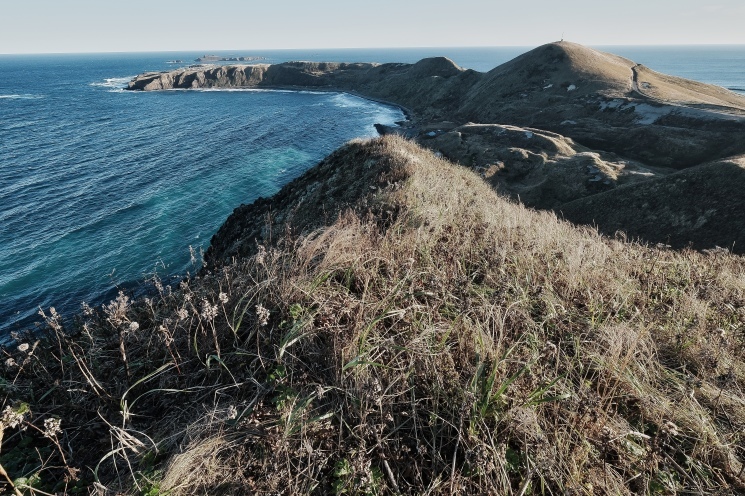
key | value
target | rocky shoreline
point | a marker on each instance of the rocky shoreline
(553, 127)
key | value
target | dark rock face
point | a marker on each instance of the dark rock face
(200, 77)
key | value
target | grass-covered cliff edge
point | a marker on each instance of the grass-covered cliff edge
(389, 324)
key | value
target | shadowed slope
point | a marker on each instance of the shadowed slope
(313, 200)
(700, 207)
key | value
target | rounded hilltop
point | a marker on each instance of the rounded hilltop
(574, 68)
(558, 67)
(436, 67)
(563, 71)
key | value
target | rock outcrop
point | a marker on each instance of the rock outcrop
(541, 168)
(432, 88)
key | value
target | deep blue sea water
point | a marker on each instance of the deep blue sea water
(100, 187)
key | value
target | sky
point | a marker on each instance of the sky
(75, 26)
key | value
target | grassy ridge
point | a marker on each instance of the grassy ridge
(432, 338)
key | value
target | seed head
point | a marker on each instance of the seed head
(11, 418)
(52, 427)
(87, 310)
(209, 311)
(261, 255)
(670, 428)
(232, 413)
(262, 314)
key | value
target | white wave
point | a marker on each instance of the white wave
(222, 90)
(19, 125)
(251, 90)
(21, 97)
(309, 92)
(116, 83)
(345, 100)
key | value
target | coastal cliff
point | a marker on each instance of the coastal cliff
(391, 323)
(600, 100)
(551, 128)
(562, 127)
(428, 87)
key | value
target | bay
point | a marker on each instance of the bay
(100, 188)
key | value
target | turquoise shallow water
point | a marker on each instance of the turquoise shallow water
(100, 188)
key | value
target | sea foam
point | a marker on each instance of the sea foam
(113, 83)
(21, 97)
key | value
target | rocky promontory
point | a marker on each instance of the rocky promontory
(218, 58)
(556, 125)
(600, 100)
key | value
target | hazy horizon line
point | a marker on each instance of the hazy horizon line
(207, 50)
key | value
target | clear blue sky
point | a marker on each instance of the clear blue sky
(45, 26)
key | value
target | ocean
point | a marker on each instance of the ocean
(101, 188)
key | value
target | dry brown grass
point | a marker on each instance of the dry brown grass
(467, 346)
(681, 91)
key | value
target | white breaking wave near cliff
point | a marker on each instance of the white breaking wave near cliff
(21, 97)
(115, 83)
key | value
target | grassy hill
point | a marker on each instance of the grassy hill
(388, 324)
(600, 100)
(562, 127)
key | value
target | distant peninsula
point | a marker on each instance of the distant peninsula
(218, 58)
(562, 127)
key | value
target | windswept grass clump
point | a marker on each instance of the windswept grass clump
(465, 345)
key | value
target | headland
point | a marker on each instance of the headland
(391, 323)
(552, 128)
